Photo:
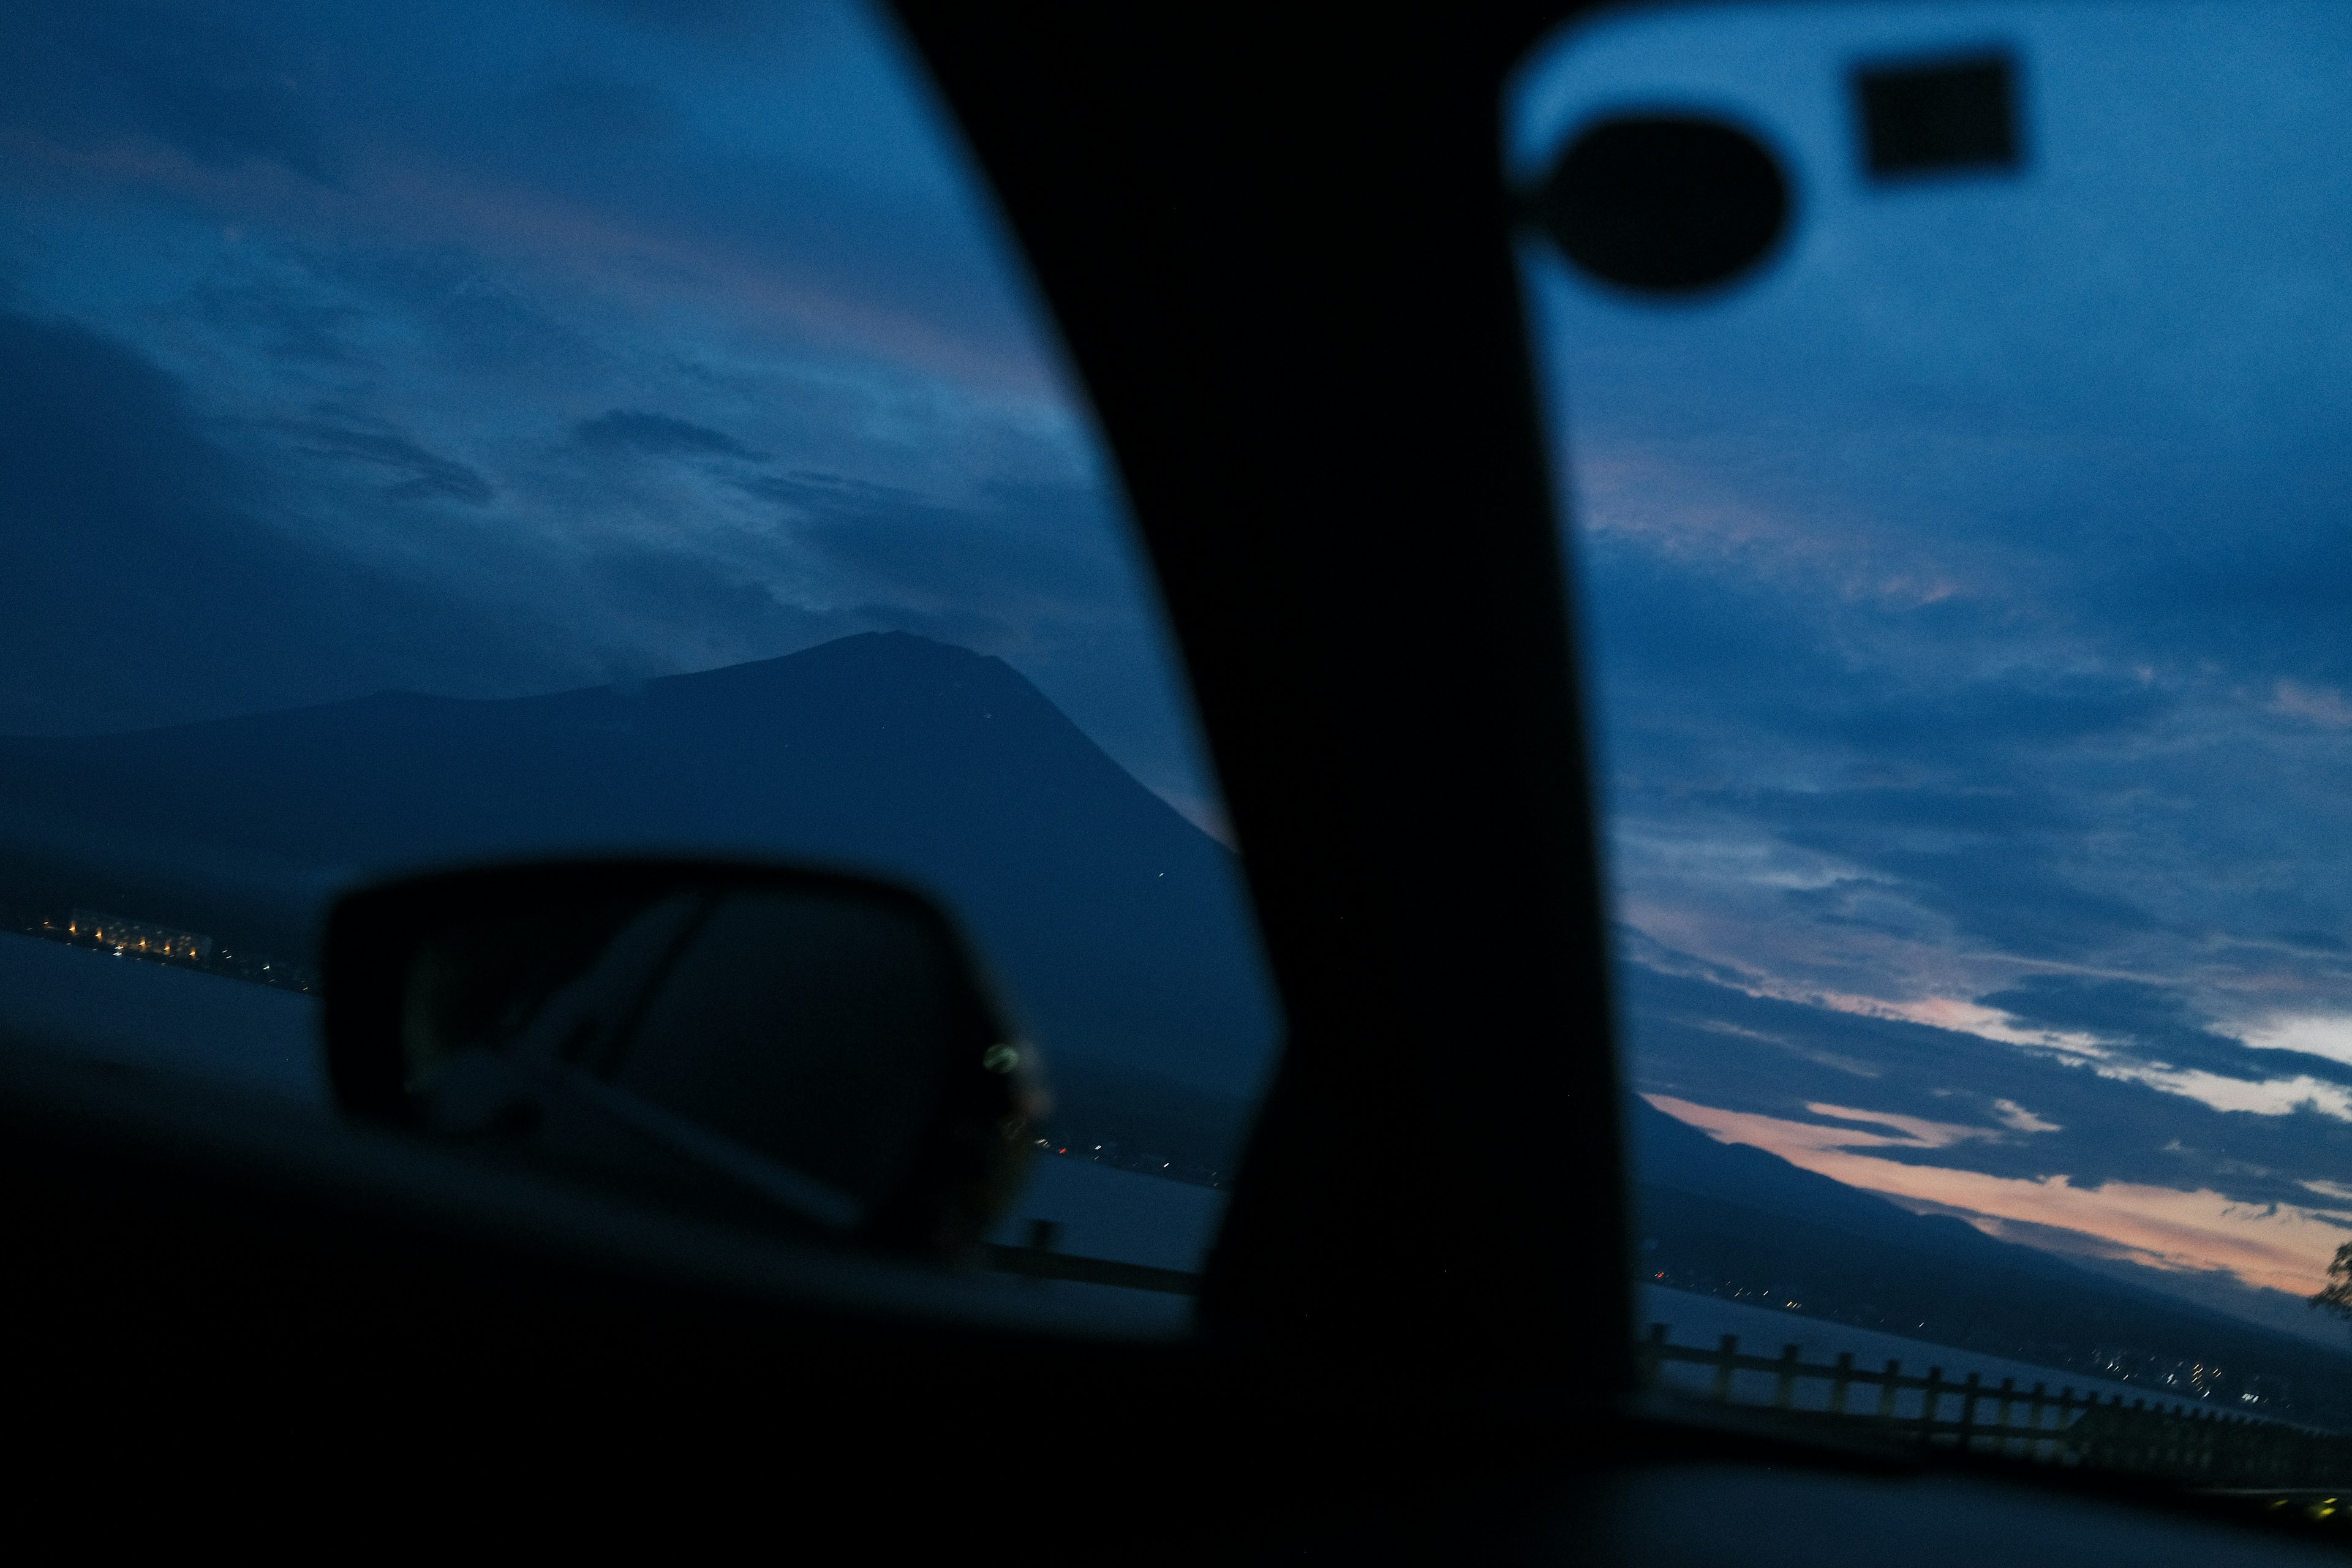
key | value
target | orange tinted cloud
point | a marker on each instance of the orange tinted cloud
(2282, 1246)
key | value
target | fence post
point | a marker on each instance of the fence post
(2033, 1415)
(1971, 1392)
(1653, 1359)
(1931, 1396)
(1784, 1393)
(1844, 1379)
(1887, 1390)
(2105, 1445)
(1724, 1358)
(2008, 1404)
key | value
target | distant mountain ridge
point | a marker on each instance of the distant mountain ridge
(1727, 1217)
(1119, 927)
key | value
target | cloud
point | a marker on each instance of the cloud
(2327, 1035)
(621, 113)
(1818, 1057)
(1964, 616)
(726, 17)
(1009, 550)
(202, 82)
(568, 344)
(2097, 1111)
(144, 588)
(2258, 1097)
(2018, 1118)
(656, 435)
(427, 477)
(2276, 1247)
(286, 317)
(1914, 1132)
(2321, 706)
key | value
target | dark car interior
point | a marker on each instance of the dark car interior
(1278, 246)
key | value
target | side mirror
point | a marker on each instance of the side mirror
(801, 1051)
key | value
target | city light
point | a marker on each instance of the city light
(121, 936)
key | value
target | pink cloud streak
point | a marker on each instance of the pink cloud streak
(2282, 1246)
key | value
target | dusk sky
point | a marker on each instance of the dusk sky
(489, 350)
(1965, 595)
(1966, 600)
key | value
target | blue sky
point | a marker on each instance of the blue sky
(486, 350)
(1965, 599)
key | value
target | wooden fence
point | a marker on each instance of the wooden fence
(2212, 1447)
(2217, 1447)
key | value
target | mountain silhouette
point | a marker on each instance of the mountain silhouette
(1728, 1218)
(1119, 929)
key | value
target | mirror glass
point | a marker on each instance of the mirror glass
(803, 1052)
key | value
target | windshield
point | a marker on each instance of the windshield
(1951, 406)
(462, 431)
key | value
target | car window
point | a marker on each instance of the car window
(1949, 407)
(461, 432)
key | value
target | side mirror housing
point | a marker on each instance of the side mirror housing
(805, 1052)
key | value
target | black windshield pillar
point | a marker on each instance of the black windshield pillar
(1279, 249)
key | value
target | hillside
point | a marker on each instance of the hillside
(1729, 1219)
(1119, 929)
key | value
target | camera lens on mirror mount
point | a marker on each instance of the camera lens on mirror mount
(1665, 203)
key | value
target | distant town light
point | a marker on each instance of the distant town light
(143, 935)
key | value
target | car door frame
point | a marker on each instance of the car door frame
(1277, 243)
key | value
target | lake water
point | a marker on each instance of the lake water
(155, 1018)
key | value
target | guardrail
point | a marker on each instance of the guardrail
(1044, 1263)
(2212, 1448)
(2217, 1447)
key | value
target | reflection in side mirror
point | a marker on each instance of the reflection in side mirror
(796, 1050)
